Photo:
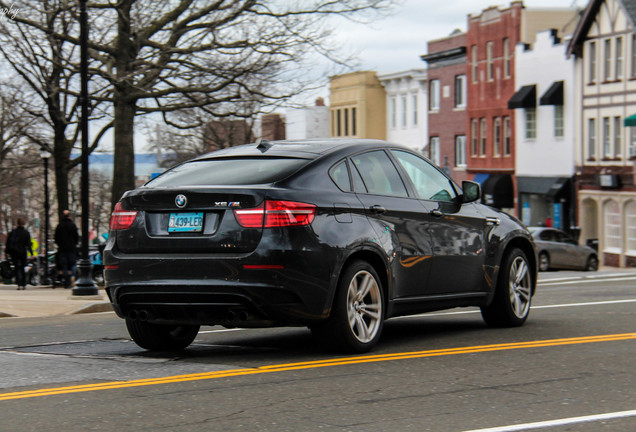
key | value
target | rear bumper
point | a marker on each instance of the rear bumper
(210, 291)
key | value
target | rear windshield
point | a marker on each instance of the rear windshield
(226, 172)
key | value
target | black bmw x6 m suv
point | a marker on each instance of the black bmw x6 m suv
(336, 235)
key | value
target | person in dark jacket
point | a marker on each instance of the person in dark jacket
(66, 237)
(18, 245)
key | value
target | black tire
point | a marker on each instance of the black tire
(157, 337)
(513, 294)
(592, 263)
(544, 262)
(357, 315)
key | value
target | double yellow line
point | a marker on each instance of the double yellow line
(312, 365)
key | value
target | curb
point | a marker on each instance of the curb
(93, 308)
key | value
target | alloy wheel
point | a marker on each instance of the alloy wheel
(364, 306)
(520, 285)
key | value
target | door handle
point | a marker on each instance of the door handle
(437, 213)
(378, 209)
(493, 221)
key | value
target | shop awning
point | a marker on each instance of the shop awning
(554, 95)
(526, 97)
(548, 186)
(497, 191)
(630, 121)
(481, 178)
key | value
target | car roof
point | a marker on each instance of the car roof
(305, 148)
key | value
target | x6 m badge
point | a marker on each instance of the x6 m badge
(181, 201)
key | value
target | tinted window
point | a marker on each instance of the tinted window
(239, 171)
(340, 176)
(379, 174)
(547, 235)
(429, 182)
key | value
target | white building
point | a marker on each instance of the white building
(406, 108)
(307, 122)
(604, 48)
(544, 116)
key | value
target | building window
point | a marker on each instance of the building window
(460, 91)
(531, 123)
(591, 138)
(434, 95)
(612, 227)
(607, 151)
(592, 62)
(354, 132)
(474, 63)
(630, 224)
(558, 121)
(632, 142)
(415, 111)
(404, 111)
(393, 113)
(506, 55)
(496, 137)
(435, 156)
(482, 144)
(460, 151)
(506, 132)
(634, 55)
(474, 137)
(339, 122)
(618, 61)
(618, 141)
(607, 59)
(346, 122)
(489, 61)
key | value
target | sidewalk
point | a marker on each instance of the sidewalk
(43, 301)
(40, 301)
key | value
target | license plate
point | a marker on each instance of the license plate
(185, 222)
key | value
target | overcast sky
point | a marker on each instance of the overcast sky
(395, 43)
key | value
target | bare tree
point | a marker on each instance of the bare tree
(174, 55)
(48, 68)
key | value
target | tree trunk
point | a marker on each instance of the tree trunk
(125, 107)
(124, 163)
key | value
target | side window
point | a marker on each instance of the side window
(340, 176)
(358, 184)
(429, 182)
(547, 236)
(379, 174)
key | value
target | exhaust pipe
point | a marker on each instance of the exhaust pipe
(231, 316)
(132, 314)
(142, 315)
(243, 316)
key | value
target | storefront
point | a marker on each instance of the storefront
(546, 201)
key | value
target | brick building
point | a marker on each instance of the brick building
(490, 40)
(447, 117)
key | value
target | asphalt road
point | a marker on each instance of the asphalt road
(571, 366)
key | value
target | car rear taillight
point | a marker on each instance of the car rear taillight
(276, 214)
(121, 219)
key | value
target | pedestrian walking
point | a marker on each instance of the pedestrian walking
(17, 247)
(66, 237)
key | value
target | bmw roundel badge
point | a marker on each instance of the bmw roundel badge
(181, 201)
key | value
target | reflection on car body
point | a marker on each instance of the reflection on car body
(336, 235)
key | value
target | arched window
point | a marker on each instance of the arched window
(612, 216)
(630, 227)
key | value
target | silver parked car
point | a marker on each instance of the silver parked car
(557, 250)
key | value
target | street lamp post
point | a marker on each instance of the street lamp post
(85, 285)
(45, 155)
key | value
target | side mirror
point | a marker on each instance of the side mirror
(471, 190)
